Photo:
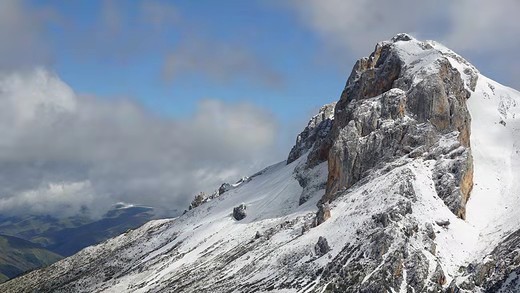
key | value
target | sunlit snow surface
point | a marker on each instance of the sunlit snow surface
(272, 199)
(494, 202)
(207, 246)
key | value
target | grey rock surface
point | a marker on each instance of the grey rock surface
(395, 157)
(322, 246)
(314, 137)
(497, 272)
(390, 109)
(239, 212)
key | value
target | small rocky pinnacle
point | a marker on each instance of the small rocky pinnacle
(323, 213)
(239, 212)
(322, 247)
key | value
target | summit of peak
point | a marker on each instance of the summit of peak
(402, 37)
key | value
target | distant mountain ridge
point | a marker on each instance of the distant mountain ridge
(406, 184)
(67, 236)
(18, 256)
(35, 241)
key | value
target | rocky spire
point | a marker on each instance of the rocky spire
(314, 137)
(405, 100)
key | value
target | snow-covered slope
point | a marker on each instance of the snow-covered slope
(495, 198)
(404, 224)
(495, 141)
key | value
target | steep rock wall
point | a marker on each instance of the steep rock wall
(405, 99)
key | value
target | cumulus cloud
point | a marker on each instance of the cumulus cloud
(61, 153)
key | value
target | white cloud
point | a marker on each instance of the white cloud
(480, 25)
(217, 61)
(61, 152)
(466, 24)
(358, 24)
(485, 32)
(59, 199)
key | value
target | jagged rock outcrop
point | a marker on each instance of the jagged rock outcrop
(391, 253)
(391, 108)
(315, 138)
(223, 188)
(443, 222)
(198, 200)
(239, 212)
(323, 213)
(398, 171)
(227, 187)
(322, 246)
(315, 141)
(203, 198)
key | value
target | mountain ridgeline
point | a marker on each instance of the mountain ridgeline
(405, 184)
(18, 256)
(32, 242)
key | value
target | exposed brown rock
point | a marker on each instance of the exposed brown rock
(323, 213)
(466, 185)
(390, 109)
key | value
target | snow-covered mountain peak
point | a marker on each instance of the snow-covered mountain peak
(421, 58)
(406, 184)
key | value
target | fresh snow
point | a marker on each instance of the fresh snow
(495, 144)
(196, 244)
(492, 208)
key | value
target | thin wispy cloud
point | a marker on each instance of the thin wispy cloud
(21, 35)
(221, 62)
(160, 14)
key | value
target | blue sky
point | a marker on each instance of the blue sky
(153, 101)
(288, 63)
(130, 60)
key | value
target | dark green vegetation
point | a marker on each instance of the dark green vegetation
(18, 256)
(31, 242)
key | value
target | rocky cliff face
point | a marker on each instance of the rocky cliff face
(391, 167)
(315, 138)
(392, 107)
(313, 143)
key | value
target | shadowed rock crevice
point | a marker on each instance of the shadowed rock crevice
(314, 138)
(394, 156)
(392, 108)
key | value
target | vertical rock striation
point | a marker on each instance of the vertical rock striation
(405, 100)
(314, 142)
(391, 164)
